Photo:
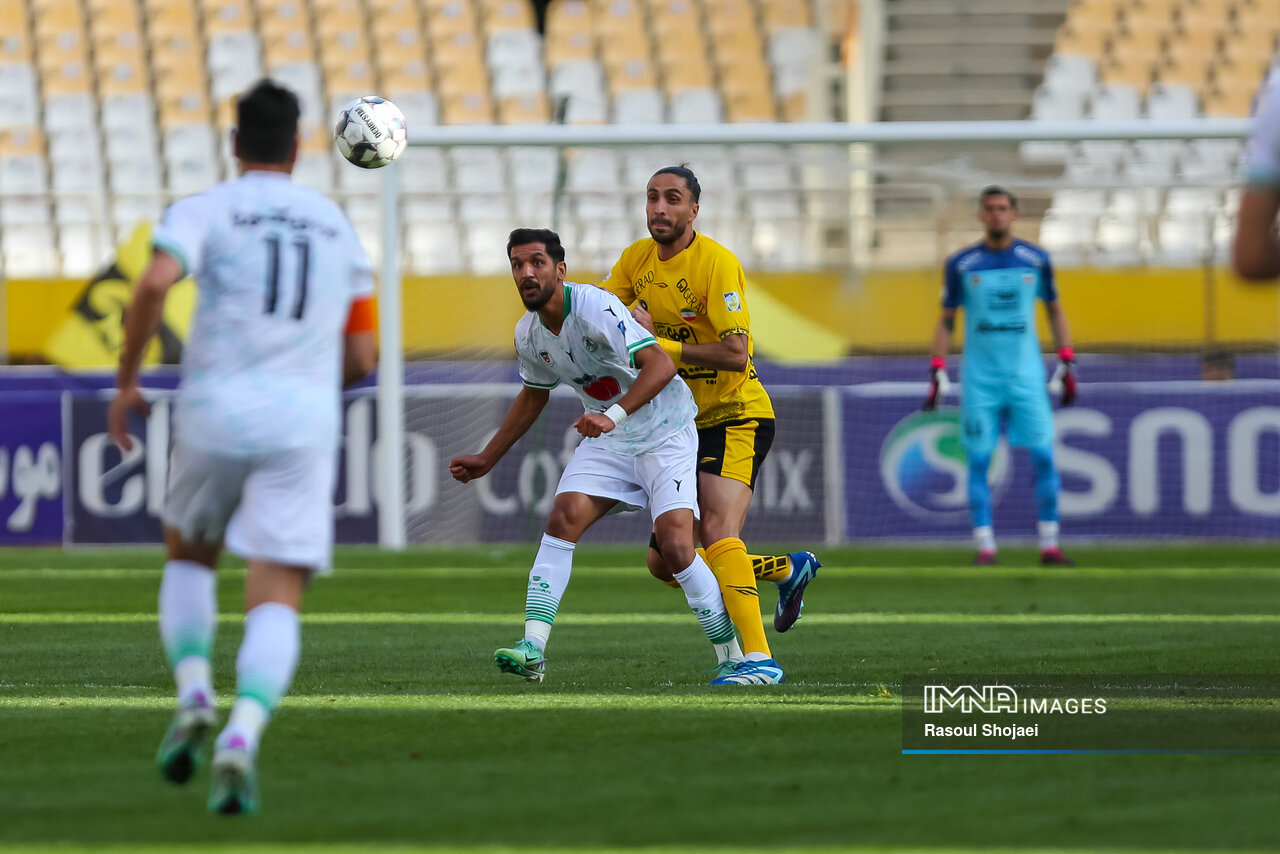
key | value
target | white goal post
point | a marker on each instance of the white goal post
(391, 461)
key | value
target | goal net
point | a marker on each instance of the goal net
(843, 230)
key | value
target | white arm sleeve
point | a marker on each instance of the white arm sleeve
(1262, 158)
(182, 232)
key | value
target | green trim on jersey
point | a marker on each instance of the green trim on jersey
(638, 346)
(540, 385)
(172, 249)
(568, 300)
(567, 307)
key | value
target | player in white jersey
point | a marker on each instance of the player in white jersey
(283, 319)
(1256, 252)
(640, 448)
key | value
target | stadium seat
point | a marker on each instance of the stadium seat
(530, 108)
(784, 14)
(304, 79)
(28, 250)
(486, 247)
(638, 107)
(730, 16)
(420, 106)
(478, 169)
(425, 170)
(314, 170)
(83, 249)
(696, 106)
(594, 169)
(435, 247)
(451, 18)
(1067, 72)
(532, 169)
(74, 112)
(19, 104)
(564, 47)
(1171, 101)
(499, 15)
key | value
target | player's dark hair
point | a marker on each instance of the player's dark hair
(545, 236)
(690, 179)
(997, 190)
(266, 123)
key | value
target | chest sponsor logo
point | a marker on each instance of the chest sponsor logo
(733, 301)
(599, 388)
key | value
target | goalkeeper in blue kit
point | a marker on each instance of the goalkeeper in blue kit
(997, 282)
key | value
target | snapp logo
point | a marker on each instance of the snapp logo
(924, 469)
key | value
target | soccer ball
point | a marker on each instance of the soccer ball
(370, 132)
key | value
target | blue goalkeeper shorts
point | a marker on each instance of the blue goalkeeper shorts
(1021, 408)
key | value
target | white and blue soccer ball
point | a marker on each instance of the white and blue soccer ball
(370, 132)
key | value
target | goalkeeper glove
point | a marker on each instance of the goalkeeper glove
(1063, 381)
(939, 385)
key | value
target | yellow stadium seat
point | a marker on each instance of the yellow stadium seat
(314, 137)
(498, 15)
(401, 49)
(339, 19)
(173, 50)
(13, 18)
(569, 47)
(466, 108)
(1229, 98)
(730, 16)
(674, 15)
(1249, 52)
(55, 49)
(530, 108)
(178, 80)
(687, 72)
(461, 76)
(569, 16)
(622, 18)
(115, 18)
(1128, 69)
(224, 114)
(683, 43)
(1268, 9)
(173, 21)
(450, 18)
(186, 108)
(780, 14)
(1204, 40)
(1151, 13)
(750, 105)
(616, 51)
(122, 79)
(631, 75)
(1138, 41)
(226, 16)
(21, 140)
(795, 108)
(66, 78)
(411, 76)
(745, 73)
(394, 22)
(355, 78)
(1191, 69)
(729, 45)
(288, 17)
(1254, 37)
(288, 46)
(460, 47)
(1076, 37)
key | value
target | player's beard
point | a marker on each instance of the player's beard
(995, 235)
(540, 299)
(677, 231)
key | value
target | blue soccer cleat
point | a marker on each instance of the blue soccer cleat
(765, 672)
(804, 567)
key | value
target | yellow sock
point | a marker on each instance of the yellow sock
(732, 567)
(775, 568)
(671, 582)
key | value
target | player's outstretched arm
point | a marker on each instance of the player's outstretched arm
(1255, 254)
(141, 321)
(939, 384)
(656, 370)
(524, 410)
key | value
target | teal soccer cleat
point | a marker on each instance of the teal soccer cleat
(524, 659)
(180, 753)
(765, 672)
(235, 781)
(804, 567)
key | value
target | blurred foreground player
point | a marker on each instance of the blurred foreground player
(1255, 255)
(283, 319)
(997, 282)
(640, 446)
(691, 292)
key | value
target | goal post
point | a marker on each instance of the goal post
(865, 202)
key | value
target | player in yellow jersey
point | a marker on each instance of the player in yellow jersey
(690, 291)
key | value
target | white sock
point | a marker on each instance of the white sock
(265, 666)
(984, 538)
(757, 656)
(547, 582)
(188, 622)
(702, 591)
(1048, 535)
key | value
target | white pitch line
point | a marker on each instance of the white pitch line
(869, 618)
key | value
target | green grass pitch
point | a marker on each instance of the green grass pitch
(401, 734)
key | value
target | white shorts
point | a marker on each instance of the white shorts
(665, 478)
(275, 507)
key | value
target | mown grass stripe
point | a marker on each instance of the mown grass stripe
(775, 700)
(849, 619)
(865, 572)
(322, 848)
